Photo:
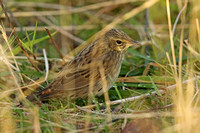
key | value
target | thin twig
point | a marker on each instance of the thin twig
(55, 45)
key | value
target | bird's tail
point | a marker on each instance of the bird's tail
(33, 97)
(40, 96)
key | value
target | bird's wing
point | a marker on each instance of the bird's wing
(74, 78)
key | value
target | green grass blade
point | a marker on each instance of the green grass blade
(18, 49)
(34, 34)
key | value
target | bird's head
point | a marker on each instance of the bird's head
(118, 40)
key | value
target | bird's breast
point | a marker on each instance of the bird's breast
(112, 65)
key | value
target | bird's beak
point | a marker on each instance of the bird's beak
(134, 43)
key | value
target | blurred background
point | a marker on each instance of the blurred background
(76, 21)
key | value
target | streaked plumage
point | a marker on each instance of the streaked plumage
(77, 76)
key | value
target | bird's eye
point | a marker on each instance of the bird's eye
(119, 42)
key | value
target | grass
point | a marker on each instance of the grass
(158, 84)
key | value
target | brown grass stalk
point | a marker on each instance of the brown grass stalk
(55, 45)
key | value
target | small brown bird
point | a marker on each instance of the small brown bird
(99, 63)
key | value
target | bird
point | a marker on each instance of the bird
(96, 66)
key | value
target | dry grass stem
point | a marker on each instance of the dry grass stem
(198, 29)
(171, 37)
(105, 91)
(189, 47)
(12, 55)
